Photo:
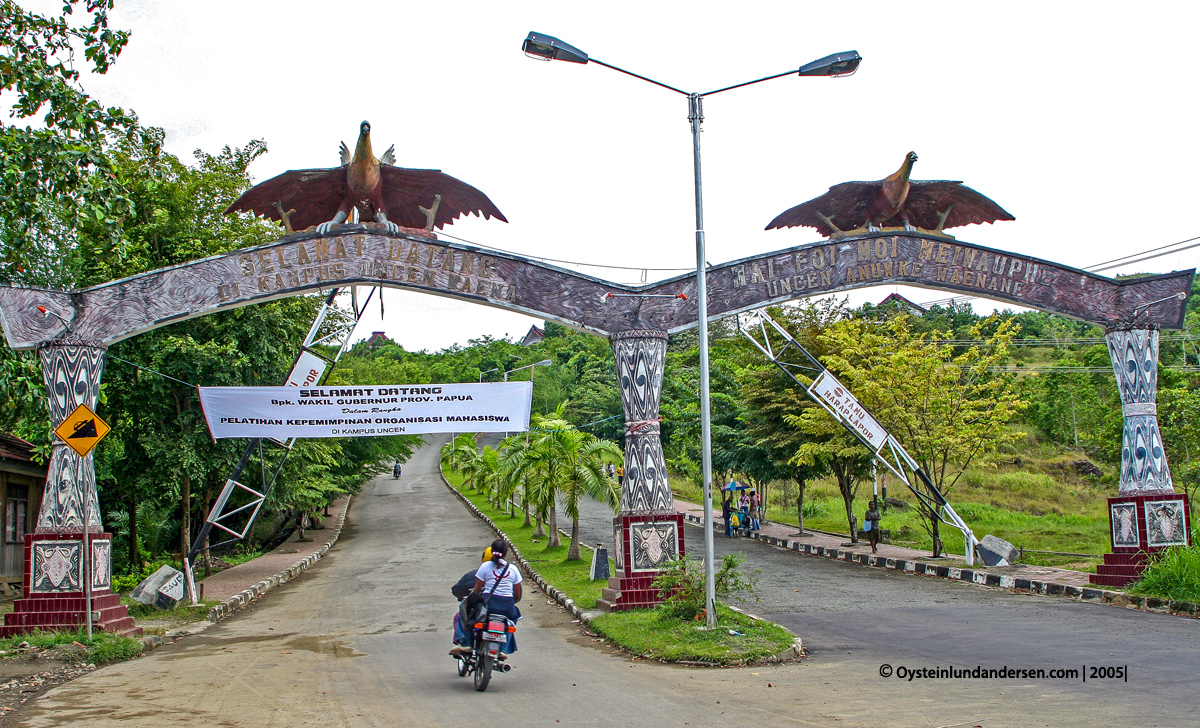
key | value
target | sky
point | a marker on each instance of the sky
(1075, 117)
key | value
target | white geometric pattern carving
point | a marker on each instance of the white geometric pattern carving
(640, 356)
(57, 566)
(1134, 354)
(71, 370)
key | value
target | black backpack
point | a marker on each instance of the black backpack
(464, 586)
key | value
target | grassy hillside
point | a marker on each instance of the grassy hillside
(1035, 500)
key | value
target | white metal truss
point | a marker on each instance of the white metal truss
(333, 326)
(776, 343)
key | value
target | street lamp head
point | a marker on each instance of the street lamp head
(837, 64)
(543, 363)
(549, 48)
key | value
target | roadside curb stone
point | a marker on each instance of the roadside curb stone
(243, 599)
(976, 576)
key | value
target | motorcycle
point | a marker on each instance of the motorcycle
(395, 473)
(488, 634)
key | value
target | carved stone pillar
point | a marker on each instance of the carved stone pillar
(1147, 515)
(649, 531)
(71, 370)
(55, 568)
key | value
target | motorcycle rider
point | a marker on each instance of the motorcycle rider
(396, 470)
(499, 583)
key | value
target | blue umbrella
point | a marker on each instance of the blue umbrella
(735, 485)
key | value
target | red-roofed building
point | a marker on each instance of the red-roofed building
(534, 336)
(22, 481)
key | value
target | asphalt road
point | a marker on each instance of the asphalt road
(361, 640)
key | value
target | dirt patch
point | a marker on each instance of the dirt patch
(27, 672)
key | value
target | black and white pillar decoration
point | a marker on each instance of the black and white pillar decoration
(640, 356)
(71, 369)
(1134, 353)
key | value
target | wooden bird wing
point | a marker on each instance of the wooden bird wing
(406, 190)
(928, 199)
(314, 194)
(847, 205)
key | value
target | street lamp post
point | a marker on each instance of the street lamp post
(542, 363)
(546, 47)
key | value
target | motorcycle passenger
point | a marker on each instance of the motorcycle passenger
(498, 585)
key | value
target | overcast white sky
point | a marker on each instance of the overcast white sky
(1078, 118)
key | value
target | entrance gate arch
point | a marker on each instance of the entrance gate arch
(71, 338)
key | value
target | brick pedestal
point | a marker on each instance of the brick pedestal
(1141, 525)
(54, 587)
(643, 544)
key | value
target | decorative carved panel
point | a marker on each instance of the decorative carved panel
(56, 566)
(307, 262)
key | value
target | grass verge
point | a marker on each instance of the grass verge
(1174, 575)
(649, 634)
(102, 648)
(642, 632)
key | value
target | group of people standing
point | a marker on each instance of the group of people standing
(616, 472)
(746, 513)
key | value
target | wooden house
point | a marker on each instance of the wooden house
(22, 481)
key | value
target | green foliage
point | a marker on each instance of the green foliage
(1172, 574)
(680, 585)
(56, 175)
(101, 649)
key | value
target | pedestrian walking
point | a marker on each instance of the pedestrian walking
(620, 475)
(871, 525)
(726, 510)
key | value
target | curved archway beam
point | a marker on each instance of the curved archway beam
(362, 255)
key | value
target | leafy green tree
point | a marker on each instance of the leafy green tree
(55, 174)
(768, 395)
(1179, 417)
(945, 408)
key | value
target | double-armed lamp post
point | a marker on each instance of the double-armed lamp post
(542, 363)
(549, 48)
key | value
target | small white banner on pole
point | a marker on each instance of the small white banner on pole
(307, 371)
(366, 411)
(837, 396)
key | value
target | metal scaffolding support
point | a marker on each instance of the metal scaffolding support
(332, 327)
(775, 342)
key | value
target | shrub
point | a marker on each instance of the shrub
(681, 585)
(815, 507)
(1173, 574)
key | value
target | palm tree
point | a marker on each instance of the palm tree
(461, 455)
(522, 468)
(570, 464)
(488, 475)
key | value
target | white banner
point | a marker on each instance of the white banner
(835, 394)
(366, 411)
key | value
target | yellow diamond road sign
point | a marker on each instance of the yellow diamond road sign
(82, 430)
